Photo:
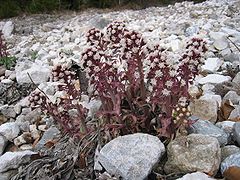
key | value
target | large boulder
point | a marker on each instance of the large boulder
(195, 152)
(10, 130)
(12, 160)
(131, 156)
(38, 72)
(207, 128)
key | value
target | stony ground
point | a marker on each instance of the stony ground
(32, 147)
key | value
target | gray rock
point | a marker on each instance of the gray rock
(3, 143)
(232, 160)
(220, 44)
(196, 176)
(214, 79)
(236, 132)
(38, 72)
(8, 29)
(233, 97)
(227, 126)
(235, 114)
(229, 150)
(217, 35)
(99, 22)
(195, 152)
(8, 111)
(212, 64)
(205, 109)
(2, 70)
(10, 130)
(207, 128)
(7, 175)
(131, 156)
(50, 134)
(193, 30)
(12, 160)
(30, 117)
(236, 79)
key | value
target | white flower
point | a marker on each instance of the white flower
(129, 42)
(133, 37)
(169, 84)
(161, 65)
(159, 73)
(137, 41)
(84, 56)
(96, 56)
(172, 73)
(128, 55)
(154, 82)
(135, 49)
(113, 31)
(166, 92)
(183, 82)
(89, 63)
(90, 53)
(150, 88)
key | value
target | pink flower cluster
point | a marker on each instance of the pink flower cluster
(123, 67)
(3, 48)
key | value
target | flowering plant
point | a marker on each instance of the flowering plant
(4, 55)
(140, 85)
(66, 110)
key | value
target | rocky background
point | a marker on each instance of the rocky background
(31, 145)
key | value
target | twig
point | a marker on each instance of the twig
(234, 44)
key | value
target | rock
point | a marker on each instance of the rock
(236, 79)
(176, 45)
(2, 70)
(233, 97)
(12, 160)
(23, 139)
(18, 108)
(51, 134)
(229, 150)
(207, 128)
(7, 175)
(42, 127)
(34, 132)
(10, 130)
(227, 126)
(8, 29)
(235, 114)
(8, 111)
(93, 106)
(99, 22)
(193, 30)
(220, 44)
(214, 79)
(217, 35)
(30, 117)
(195, 152)
(236, 132)
(230, 161)
(38, 72)
(131, 156)
(3, 143)
(26, 147)
(7, 81)
(205, 109)
(196, 176)
(212, 64)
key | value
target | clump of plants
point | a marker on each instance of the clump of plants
(5, 59)
(142, 87)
